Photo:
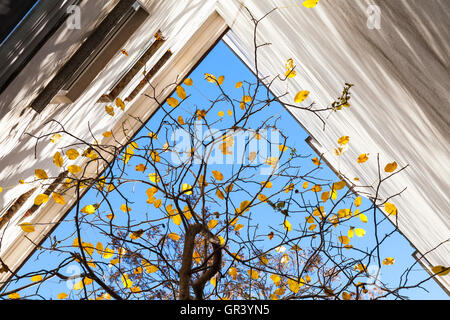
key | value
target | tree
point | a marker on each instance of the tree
(206, 183)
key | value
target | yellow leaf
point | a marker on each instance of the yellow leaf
(253, 274)
(346, 296)
(238, 227)
(344, 239)
(141, 168)
(351, 232)
(310, 3)
(325, 196)
(188, 82)
(262, 197)
(58, 160)
(186, 186)
(213, 282)
(55, 138)
(267, 185)
(221, 114)
(14, 296)
(74, 169)
(120, 104)
(220, 80)
(180, 120)
(41, 174)
(287, 226)
(40, 199)
(316, 188)
(210, 78)
(233, 272)
(344, 140)
(157, 203)
(58, 198)
(238, 85)
(362, 158)
(153, 177)
(301, 96)
(127, 283)
(36, 278)
(110, 110)
(316, 161)
(72, 154)
(305, 185)
(358, 201)
(388, 261)
(62, 296)
(181, 93)
(441, 270)
(172, 102)
(218, 175)
(108, 253)
(99, 248)
(125, 208)
(136, 234)
(174, 236)
(294, 286)
(390, 208)
(360, 232)
(212, 224)
(391, 167)
(362, 217)
(275, 278)
(339, 185)
(230, 113)
(220, 194)
(89, 209)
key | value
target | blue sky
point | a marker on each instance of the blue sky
(222, 61)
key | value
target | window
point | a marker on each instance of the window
(77, 74)
(25, 27)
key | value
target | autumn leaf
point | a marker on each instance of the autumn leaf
(301, 96)
(310, 3)
(362, 158)
(89, 209)
(174, 236)
(27, 227)
(141, 168)
(125, 208)
(120, 104)
(441, 270)
(253, 274)
(41, 199)
(55, 138)
(238, 85)
(172, 102)
(316, 161)
(358, 201)
(36, 278)
(185, 187)
(217, 175)
(58, 198)
(41, 174)
(391, 167)
(181, 93)
(58, 160)
(344, 239)
(388, 261)
(287, 226)
(110, 110)
(188, 82)
(212, 224)
(14, 296)
(74, 169)
(343, 140)
(62, 296)
(360, 232)
(390, 208)
(136, 234)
